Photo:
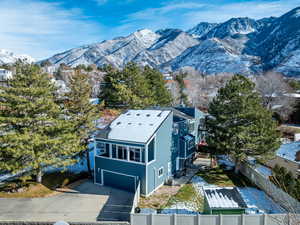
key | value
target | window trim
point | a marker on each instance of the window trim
(127, 149)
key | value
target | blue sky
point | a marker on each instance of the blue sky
(42, 28)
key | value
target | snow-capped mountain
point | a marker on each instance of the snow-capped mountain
(7, 57)
(239, 45)
(201, 29)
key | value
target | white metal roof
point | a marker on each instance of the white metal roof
(223, 197)
(136, 125)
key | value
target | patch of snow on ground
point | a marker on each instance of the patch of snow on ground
(225, 160)
(258, 201)
(198, 183)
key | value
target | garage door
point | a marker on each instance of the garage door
(120, 181)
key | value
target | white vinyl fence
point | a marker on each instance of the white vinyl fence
(277, 194)
(177, 219)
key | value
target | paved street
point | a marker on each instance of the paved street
(85, 203)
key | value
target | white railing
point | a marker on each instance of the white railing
(136, 198)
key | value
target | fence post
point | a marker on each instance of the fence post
(243, 219)
(152, 219)
(220, 219)
(198, 219)
(174, 219)
(265, 219)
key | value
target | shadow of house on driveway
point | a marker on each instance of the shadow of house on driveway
(118, 203)
(86, 202)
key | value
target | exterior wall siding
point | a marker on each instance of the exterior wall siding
(163, 144)
(118, 166)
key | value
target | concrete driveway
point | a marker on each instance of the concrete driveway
(85, 203)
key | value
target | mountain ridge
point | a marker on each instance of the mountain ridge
(239, 45)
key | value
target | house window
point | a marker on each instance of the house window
(151, 150)
(143, 154)
(160, 172)
(122, 152)
(175, 128)
(134, 154)
(100, 148)
(191, 126)
(107, 146)
(191, 144)
(114, 151)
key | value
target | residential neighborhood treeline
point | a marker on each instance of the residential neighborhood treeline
(40, 127)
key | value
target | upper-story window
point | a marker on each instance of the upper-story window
(191, 126)
(100, 148)
(175, 128)
(202, 124)
(151, 150)
(122, 152)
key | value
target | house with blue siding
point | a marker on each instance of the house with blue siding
(186, 135)
(135, 148)
(147, 147)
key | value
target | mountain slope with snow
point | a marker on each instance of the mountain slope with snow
(239, 45)
(8, 57)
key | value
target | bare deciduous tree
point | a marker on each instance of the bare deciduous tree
(275, 93)
(202, 89)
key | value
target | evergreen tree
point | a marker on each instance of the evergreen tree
(161, 95)
(33, 132)
(81, 112)
(239, 125)
(127, 88)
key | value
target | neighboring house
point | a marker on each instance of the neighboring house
(223, 200)
(134, 148)
(5, 75)
(288, 156)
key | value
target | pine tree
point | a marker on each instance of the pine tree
(161, 95)
(81, 112)
(127, 88)
(33, 131)
(239, 125)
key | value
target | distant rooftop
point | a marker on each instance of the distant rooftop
(289, 151)
(224, 198)
(135, 125)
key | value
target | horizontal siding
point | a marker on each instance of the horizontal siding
(124, 167)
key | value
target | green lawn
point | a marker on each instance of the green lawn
(222, 178)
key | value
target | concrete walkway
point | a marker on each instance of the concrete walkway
(85, 203)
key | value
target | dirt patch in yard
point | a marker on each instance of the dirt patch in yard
(159, 198)
(52, 184)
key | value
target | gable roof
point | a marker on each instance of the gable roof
(224, 198)
(134, 125)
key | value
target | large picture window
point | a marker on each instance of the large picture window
(114, 151)
(122, 152)
(100, 148)
(134, 154)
